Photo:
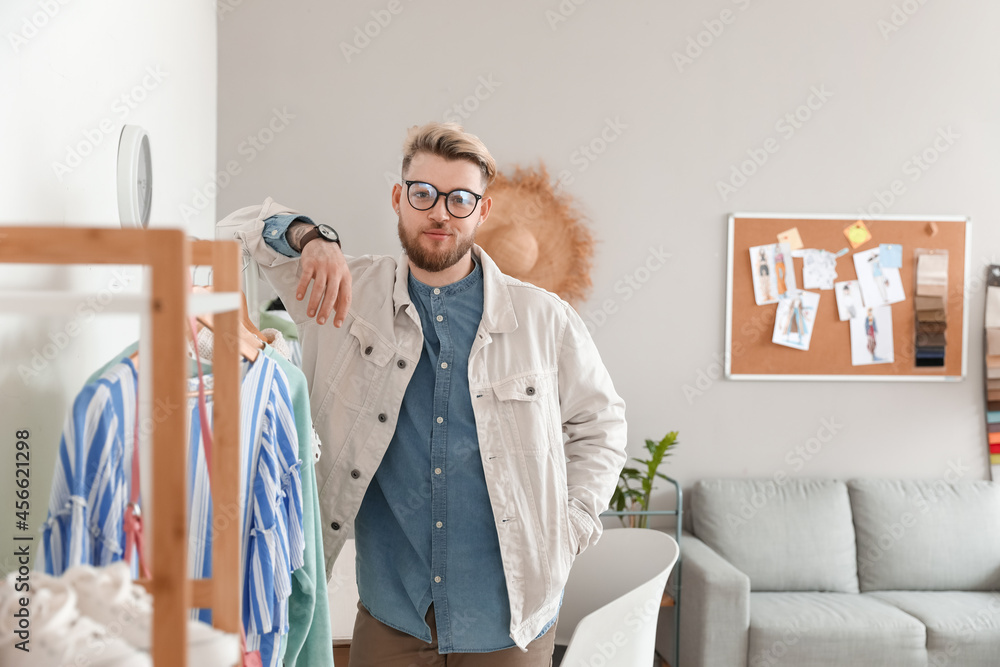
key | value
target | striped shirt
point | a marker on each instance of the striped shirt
(91, 484)
(270, 505)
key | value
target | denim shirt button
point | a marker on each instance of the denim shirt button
(530, 391)
(369, 350)
(355, 473)
(335, 525)
(382, 418)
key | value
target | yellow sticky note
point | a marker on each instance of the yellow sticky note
(858, 234)
(792, 238)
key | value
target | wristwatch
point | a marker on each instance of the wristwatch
(325, 232)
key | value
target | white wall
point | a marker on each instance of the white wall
(557, 84)
(71, 74)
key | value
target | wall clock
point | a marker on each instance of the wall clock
(135, 178)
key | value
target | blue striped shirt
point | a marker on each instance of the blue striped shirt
(270, 511)
(91, 484)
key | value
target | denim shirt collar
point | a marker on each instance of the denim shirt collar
(498, 309)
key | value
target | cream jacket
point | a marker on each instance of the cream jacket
(551, 427)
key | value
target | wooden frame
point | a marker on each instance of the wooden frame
(749, 353)
(169, 255)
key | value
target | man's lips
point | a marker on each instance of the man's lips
(437, 234)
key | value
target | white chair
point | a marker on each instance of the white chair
(612, 599)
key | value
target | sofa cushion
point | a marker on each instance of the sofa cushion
(832, 630)
(962, 628)
(927, 535)
(794, 535)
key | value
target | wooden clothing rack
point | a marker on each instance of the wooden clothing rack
(164, 306)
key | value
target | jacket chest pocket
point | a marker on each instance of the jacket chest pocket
(363, 361)
(528, 405)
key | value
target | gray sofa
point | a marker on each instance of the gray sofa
(808, 572)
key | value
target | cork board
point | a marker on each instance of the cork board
(750, 354)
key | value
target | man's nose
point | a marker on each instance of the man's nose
(440, 210)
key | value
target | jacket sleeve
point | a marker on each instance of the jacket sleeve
(246, 226)
(593, 417)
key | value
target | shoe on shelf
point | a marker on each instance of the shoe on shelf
(57, 634)
(109, 596)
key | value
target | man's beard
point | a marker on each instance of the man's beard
(433, 261)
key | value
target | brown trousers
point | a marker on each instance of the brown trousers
(377, 645)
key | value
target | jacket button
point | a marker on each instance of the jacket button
(335, 525)
(355, 473)
(401, 363)
(382, 417)
(369, 349)
(530, 391)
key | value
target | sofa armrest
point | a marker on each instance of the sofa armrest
(715, 614)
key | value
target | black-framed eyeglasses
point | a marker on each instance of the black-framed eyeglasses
(424, 196)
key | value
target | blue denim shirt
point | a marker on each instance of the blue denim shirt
(425, 532)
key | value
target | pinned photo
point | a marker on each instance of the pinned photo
(773, 272)
(880, 285)
(871, 337)
(793, 323)
(849, 302)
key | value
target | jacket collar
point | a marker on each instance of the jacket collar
(498, 309)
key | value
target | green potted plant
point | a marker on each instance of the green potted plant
(635, 486)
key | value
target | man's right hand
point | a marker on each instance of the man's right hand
(323, 264)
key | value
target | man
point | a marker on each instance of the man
(471, 434)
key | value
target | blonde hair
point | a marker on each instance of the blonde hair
(452, 142)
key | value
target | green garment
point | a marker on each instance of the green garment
(269, 320)
(310, 639)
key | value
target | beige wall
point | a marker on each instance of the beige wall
(71, 74)
(664, 133)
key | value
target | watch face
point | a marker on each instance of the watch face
(328, 232)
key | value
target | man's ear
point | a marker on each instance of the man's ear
(484, 210)
(397, 193)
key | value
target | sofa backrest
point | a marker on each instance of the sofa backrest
(787, 535)
(927, 535)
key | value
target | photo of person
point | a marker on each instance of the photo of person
(773, 272)
(871, 337)
(793, 323)
(849, 303)
(880, 285)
